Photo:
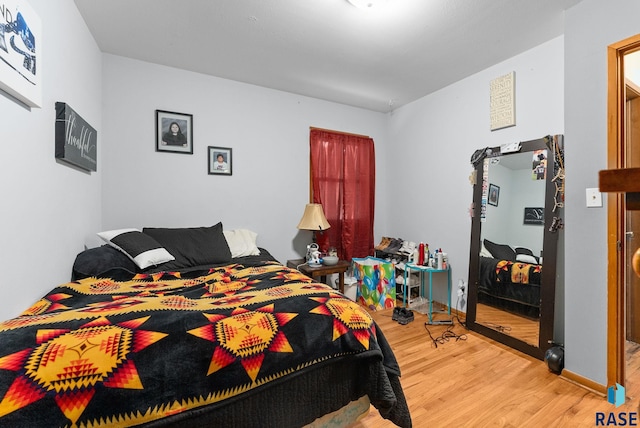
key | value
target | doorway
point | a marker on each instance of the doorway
(623, 342)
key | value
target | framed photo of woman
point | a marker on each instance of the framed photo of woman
(174, 132)
(220, 160)
(494, 194)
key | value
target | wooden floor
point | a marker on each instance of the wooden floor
(523, 328)
(478, 382)
(632, 370)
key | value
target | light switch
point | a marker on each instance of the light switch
(594, 197)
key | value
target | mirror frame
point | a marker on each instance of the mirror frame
(550, 251)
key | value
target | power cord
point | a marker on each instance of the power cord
(462, 323)
(446, 335)
(499, 327)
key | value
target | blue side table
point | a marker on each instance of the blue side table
(423, 270)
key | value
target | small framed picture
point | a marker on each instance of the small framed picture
(494, 194)
(220, 160)
(174, 132)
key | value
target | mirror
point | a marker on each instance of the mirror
(517, 198)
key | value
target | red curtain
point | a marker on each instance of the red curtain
(343, 180)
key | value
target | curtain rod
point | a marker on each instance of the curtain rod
(311, 128)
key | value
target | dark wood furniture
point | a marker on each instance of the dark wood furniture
(624, 180)
(627, 181)
(322, 271)
(552, 196)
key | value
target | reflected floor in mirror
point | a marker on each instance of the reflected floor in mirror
(525, 329)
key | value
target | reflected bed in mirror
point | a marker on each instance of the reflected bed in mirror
(511, 284)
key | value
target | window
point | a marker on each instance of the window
(343, 181)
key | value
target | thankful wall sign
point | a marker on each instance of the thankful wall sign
(76, 140)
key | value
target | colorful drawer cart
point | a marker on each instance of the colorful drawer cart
(376, 282)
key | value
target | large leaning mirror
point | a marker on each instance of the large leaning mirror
(517, 198)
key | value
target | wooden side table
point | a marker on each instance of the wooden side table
(322, 271)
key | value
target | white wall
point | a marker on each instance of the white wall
(591, 27)
(267, 130)
(48, 208)
(423, 152)
(433, 140)
(517, 191)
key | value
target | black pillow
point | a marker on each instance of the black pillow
(196, 246)
(97, 261)
(522, 250)
(500, 251)
(142, 249)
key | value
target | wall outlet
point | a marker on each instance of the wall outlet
(461, 287)
(594, 198)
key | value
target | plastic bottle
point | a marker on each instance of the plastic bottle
(414, 256)
(421, 254)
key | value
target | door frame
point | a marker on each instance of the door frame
(616, 210)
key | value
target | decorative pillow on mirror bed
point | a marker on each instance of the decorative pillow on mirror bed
(525, 255)
(139, 247)
(195, 246)
(500, 251)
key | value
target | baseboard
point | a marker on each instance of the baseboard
(584, 382)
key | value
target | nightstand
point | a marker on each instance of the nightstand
(322, 271)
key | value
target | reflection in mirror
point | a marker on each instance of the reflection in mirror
(512, 263)
(512, 230)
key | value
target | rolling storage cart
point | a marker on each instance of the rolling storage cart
(425, 273)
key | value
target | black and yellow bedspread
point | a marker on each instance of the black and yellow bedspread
(514, 282)
(107, 352)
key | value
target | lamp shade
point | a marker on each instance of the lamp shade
(313, 218)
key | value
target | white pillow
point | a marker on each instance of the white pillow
(525, 258)
(139, 247)
(242, 242)
(484, 252)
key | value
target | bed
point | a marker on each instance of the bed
(209, 337)
(510, 278)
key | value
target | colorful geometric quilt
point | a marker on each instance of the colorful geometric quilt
(127, 351)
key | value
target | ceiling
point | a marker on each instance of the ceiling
(378, 59)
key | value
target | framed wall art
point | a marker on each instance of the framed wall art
(174, 132)
(494, 195)
(220, 160)
(502, 101)
(20, 52)
(534, 216)
(76, 140)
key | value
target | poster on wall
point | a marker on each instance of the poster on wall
(20, 52)
(76, 140)
(502, 101)
(533, 215)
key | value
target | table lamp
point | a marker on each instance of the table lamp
(313, 219)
